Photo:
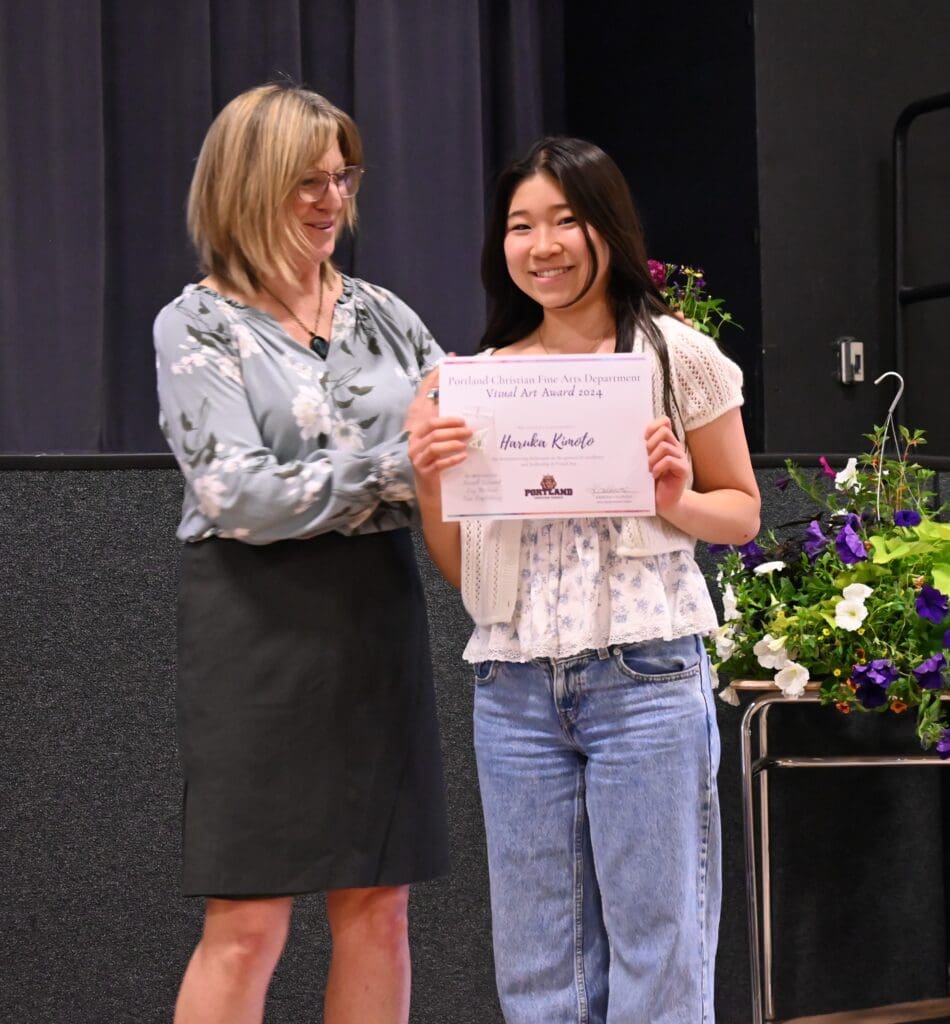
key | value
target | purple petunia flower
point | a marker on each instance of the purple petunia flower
(931, 604)
(906, 517)
(871, 696)
(717, 549)
(873, 680)
(946, 639)
(883, 672)
(849, 546)
(658, 273)
(815, 540)
(929, 672)
(782, 482)
(751, 554)
(880, 672)
(943, 745)
(825, 468)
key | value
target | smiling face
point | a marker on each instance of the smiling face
(546, 250)
(323, 220)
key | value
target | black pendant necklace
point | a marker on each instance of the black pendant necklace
(318, 344)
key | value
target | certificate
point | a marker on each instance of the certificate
(554, 436)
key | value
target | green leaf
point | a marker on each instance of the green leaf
(930, 530)
(366, 424)
(941, 575)
(353, 389)
(903, 549)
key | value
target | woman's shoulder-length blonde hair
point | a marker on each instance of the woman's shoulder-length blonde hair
(255, 154)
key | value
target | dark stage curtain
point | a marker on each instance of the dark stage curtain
(104, 108)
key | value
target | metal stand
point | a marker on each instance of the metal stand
(755, 768)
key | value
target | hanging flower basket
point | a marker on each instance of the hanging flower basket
(855, 599)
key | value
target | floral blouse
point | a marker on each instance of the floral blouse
(277, 443)
(577, 594)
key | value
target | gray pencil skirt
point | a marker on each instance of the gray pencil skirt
(306, 717)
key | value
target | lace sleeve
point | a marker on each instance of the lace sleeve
(706, 382)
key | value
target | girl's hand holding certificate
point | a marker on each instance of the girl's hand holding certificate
(668, 463)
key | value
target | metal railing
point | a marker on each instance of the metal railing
(906, 294)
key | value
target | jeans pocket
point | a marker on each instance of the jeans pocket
(661, 661)
(484, 672)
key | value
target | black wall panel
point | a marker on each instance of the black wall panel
(831, 78)
(92, 928)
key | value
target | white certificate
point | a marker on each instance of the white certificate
(555, 436)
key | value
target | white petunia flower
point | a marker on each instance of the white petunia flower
(311, 412)
(767, 567)
(850, 614)
(729, 609)
(847, 479)
(791, 679)
(857, 592)
(770, 652)
(729, 695)
(208, 490)
(725, 644)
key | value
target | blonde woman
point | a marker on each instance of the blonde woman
(307, 728)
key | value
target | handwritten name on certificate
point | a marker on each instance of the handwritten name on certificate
(554, 436)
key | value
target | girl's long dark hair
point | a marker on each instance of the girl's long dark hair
(598, 196)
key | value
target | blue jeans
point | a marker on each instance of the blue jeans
(598, 784)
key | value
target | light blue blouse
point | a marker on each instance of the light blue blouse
(276, 443)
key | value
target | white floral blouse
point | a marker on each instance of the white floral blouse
(577, 594)
(277, 443)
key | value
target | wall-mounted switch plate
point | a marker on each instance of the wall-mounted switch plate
(850, 360)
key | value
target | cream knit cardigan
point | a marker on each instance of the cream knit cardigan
(705, 383)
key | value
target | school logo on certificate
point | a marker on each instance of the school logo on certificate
(548, 489)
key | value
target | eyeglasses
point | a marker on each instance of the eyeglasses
(314, 187)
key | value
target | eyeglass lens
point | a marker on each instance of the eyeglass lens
(315, 186)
